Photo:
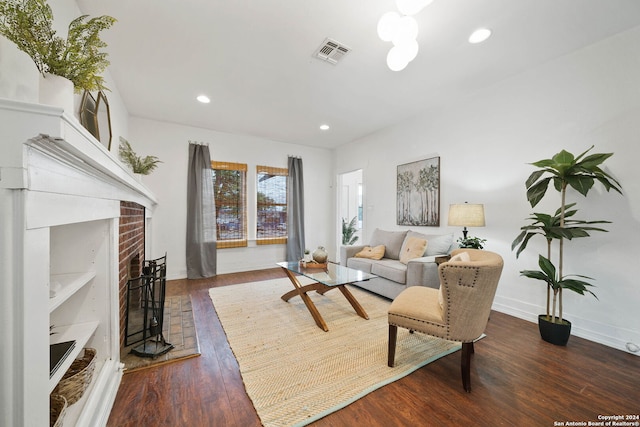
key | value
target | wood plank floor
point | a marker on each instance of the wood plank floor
(516, 379)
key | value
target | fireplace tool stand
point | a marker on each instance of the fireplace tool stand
(152, 288)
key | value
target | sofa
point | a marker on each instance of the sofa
(399, 258)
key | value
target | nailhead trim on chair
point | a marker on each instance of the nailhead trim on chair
(443, 327)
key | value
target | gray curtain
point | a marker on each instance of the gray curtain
(201, 215)
(295, 214)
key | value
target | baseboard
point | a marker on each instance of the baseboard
(619, 338)
(98, 407)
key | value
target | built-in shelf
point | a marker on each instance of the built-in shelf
(68, 284)
(81, 333)
(60, 197)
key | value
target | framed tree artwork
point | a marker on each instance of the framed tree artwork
(418, 193)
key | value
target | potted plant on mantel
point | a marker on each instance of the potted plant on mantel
(565, 171)
(79, 59)
(139, 165)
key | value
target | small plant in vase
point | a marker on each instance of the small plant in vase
(143, 166)
(565, 171)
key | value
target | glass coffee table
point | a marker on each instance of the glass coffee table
(332, 277)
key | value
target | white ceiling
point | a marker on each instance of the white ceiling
(254, 59)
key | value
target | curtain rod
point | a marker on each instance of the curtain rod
(198, 143)
(296, 157)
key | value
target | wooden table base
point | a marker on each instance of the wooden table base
(301, 291)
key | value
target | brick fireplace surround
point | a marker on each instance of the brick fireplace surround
(131, 250)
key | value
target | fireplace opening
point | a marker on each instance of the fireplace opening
(131, 253)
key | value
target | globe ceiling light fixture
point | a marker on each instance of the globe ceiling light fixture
(405, 31)
(203, 98)
(402, 31)
(324, 127)
(396, 61)
(479, 35)
(388, 26)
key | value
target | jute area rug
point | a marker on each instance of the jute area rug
(178, 329)
(294, 372)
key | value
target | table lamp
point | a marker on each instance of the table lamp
(466, 215)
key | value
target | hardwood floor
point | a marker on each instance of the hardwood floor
(516, 379)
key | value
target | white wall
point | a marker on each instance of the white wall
(170, 142)
(485, 143)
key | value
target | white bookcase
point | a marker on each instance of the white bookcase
(60, 194)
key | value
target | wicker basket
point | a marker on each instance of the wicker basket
(313, 264)
(57, 409)
(78, 377)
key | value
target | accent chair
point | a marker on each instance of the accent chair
(458, 311)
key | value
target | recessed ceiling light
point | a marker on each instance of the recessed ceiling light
(324, 127)
(204, 99)
(479, 35)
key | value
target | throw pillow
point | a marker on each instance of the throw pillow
(376, 252)
(460, 257)
(392, 241)
(412, 248)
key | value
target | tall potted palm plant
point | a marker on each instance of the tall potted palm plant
(566, 171)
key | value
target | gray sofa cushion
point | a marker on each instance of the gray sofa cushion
(436, 244)
(392, 241)
(390, 269)
(362, 264)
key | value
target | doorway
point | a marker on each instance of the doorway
(350, 205)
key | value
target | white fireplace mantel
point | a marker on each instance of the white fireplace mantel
(60, 195)
(48, 130)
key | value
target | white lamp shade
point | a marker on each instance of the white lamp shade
(396, 59)
(388, 26)
(409, 49)
(406, 31)
(466, 215)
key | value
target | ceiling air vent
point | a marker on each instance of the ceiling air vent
(331, 51)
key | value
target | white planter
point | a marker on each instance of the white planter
(57, 91)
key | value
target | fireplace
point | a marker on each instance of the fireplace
(131, 249)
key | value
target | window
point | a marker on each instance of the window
(271, 218)
(230, 194)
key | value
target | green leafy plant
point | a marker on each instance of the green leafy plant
(28, 24)
(565, 171)
(139, 165)
(471, 242)
(548, 226)
(348, 231)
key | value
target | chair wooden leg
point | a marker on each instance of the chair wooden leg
(467, 350)
(393, 335)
